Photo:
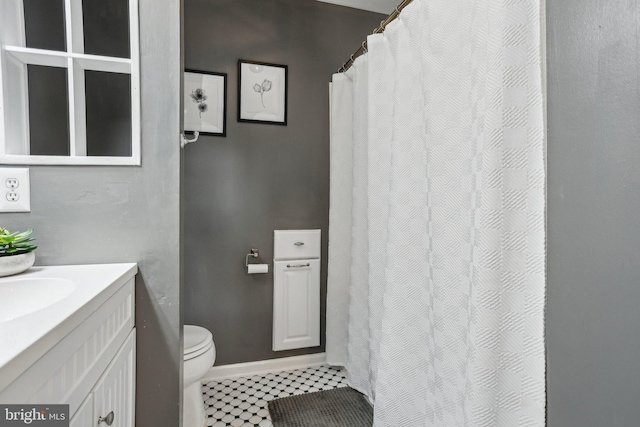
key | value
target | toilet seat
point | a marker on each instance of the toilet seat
(199, 355)
(197, 341)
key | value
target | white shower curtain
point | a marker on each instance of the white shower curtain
(436, 287)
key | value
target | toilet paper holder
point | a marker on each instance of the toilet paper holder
(254, 253)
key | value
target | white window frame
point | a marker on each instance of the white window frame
(14, 100)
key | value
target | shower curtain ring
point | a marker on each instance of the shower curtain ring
(398, 10)
(364, 46)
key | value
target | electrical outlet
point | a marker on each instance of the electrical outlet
(15, 195)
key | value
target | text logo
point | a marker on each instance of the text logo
(34, 415)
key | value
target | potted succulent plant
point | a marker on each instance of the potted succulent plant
(16, 251)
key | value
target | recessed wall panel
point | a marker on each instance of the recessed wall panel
(48, 111)
(106, 27)
(44, 24)
(108, 101)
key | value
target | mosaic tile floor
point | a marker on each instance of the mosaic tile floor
(242, 402)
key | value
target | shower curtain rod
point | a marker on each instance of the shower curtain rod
(362, 49)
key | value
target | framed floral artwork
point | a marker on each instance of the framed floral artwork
(262, 92)
(205, 100)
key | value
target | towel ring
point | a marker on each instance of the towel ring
(184, 141)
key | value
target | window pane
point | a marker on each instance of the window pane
(108, 97)
(106, 27)
(44, 24)
(48, 111)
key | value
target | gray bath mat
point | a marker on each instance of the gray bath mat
(340, 407)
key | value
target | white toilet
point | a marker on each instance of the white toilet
(199, 356)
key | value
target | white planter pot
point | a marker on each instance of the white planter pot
(16, 263)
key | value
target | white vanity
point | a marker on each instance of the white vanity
(67, 336)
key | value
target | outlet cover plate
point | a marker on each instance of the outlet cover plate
(15, 190)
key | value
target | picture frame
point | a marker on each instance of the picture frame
(262, 92)
(205, 102)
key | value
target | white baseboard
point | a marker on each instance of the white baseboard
(265, 366)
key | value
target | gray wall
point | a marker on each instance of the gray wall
(260, 177)
(85, 215)
(593, 309)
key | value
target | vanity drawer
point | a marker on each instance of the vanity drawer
(296, 244)
(68, 372)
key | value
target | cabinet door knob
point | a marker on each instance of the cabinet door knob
(299, 243)
(108, 420)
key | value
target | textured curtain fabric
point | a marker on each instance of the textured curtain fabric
(436, 296)
(340, 189)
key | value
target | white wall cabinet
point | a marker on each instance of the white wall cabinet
(16, 85)
(296, 291)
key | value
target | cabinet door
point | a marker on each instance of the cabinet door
(84, 415)
(296, 304)
(115, 391)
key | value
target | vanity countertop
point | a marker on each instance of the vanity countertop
(24, 339)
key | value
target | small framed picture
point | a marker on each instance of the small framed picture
(262, 92)
(205, 100)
